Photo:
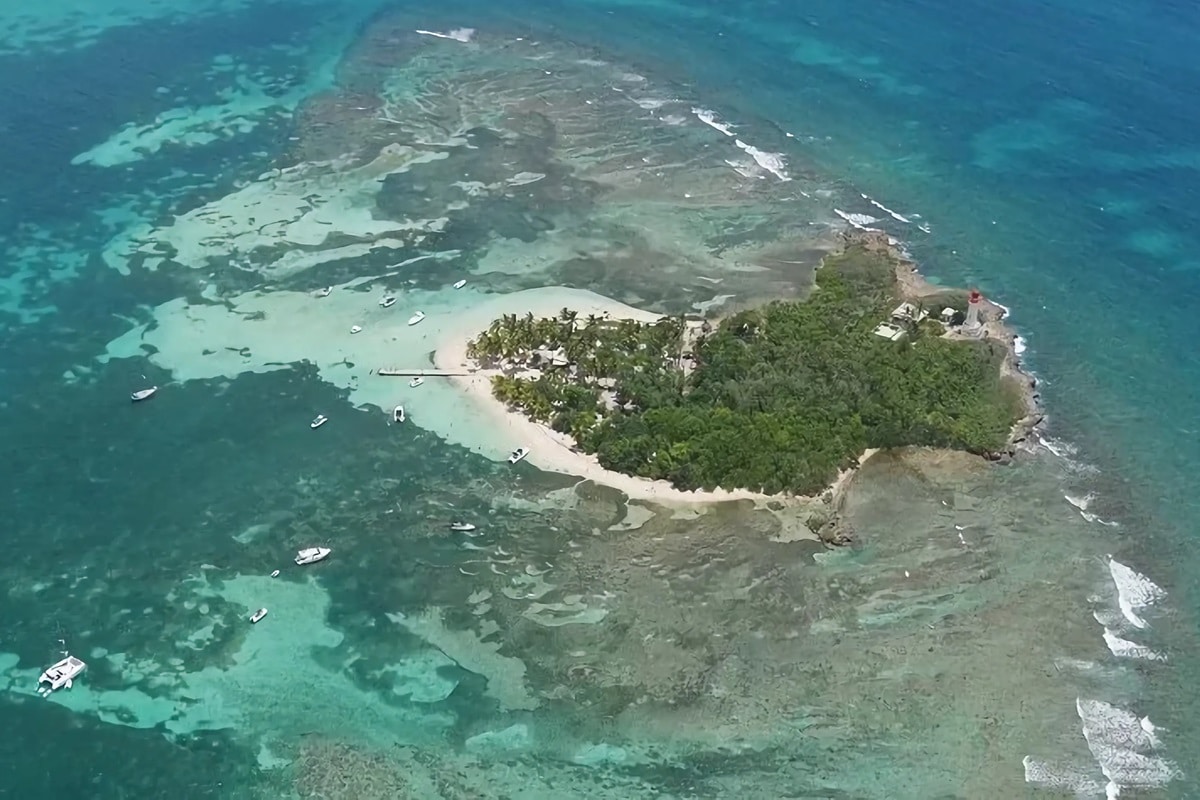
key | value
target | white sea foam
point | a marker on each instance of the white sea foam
(1135, 592)
(710, 119)
(860, 221)
(1051, 775)
(771, 162)
(1064, 450)
(1005, 311)
(893, 214)
(745, 170)
(458, 34)
(1019, 344)
(1080, 502)
(1123, 745)
(1123, 648)
(1090, 517)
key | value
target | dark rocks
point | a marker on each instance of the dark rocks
(836, 532)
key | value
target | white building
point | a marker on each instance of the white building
(974, 306)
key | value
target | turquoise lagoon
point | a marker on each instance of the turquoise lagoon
(183, 177)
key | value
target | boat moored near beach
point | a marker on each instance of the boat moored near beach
(398, 414)
(143, 394)
(518, 454)
(60, 675)
(318, 421)
(417, 381)
(417, 317)
(311, 555)
(388, 301)
(257, 615)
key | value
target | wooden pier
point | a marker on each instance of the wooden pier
(397, 372)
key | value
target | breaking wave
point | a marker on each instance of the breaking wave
(773, 163)
(458, 34)
(1135, 592)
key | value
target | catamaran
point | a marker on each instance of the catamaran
(143, 394)
(388, 301)
(417, 317)
(311, 555)
(417, 381)
(398, 414)
(461, 526)
(318, 421)
(518, 454)
(60, 674)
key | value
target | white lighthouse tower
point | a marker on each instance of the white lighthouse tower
(974, 304)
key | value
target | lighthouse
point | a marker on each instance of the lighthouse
(974, 303)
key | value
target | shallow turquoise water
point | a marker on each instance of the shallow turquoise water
(1024, 138)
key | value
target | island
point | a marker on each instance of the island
(781, 399)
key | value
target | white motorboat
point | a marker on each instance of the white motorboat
(143, 394)
(518, 454)
(60, 675)
(461, 526)
(325, 292)
(388, 301)
(417, 381)
(460, 284)
(356, 328)
(275, 574)
(311, 555)
(257, 615)
(318, 421)
(398, 414)
(417, 317)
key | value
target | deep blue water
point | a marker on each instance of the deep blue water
(1050, 146)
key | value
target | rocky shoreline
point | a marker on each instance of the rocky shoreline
(832, 528)
(914, 288)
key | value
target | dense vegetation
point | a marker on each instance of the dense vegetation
(775, 399)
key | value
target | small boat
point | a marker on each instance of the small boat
(257, 615)
(355, 328)
(143, 394)
(417, 381)
(461, 526)
(460, 284)
(311, 555)
(417, 317)
(325, 292)
(398, 414)
(60, 675)
(518, 454)
(388, 301)
(275, 574)
(318, 421)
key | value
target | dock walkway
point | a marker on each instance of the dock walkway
(398, 372)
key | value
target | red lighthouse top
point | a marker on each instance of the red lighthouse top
(976, 297)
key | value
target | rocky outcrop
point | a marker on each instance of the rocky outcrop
(836, 532)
